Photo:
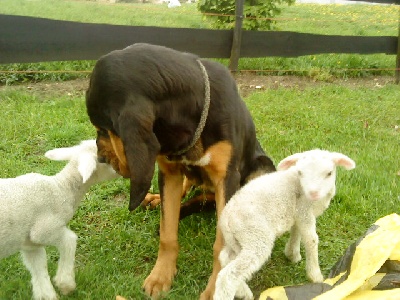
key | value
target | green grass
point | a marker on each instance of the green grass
(117, 249)
(363, 20)
(118, 14)
(359, 19)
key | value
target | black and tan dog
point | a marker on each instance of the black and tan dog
(154, 104)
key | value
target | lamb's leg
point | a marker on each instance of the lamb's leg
(292, 248)
(227, 254)
(35, 260)
(65, 276)
(244, 292)
(310, 239)
(65, 241)
(231, 279)
(229, 251)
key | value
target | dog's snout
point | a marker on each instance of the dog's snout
(101, 159)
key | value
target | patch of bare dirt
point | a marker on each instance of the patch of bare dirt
(248, 83)
(70, 88)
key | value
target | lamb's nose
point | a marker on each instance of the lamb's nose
(314, 195)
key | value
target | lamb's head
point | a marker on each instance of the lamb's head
(86, 156)
(317, 171)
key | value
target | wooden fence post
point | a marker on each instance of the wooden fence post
(397, 72)
(237, 36)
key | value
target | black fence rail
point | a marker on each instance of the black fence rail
(29, 39)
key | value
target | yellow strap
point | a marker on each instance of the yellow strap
(393, 294)
(369, 256)
(275, 293)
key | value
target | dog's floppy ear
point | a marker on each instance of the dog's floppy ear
(135, 128)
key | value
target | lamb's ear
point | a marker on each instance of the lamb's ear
(343, 161)
(87, 164)
(62, 153)
(288, 162)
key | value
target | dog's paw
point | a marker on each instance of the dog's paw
(158, 282)
(208, 293)
(151, 201)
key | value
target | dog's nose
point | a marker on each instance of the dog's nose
(101, 159)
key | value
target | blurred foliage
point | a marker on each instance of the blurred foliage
(258, 14)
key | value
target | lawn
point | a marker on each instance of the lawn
(117, 249)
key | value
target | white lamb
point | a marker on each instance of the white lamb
(267, 207)
(35, 209)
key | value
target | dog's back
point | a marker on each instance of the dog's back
(171, 85)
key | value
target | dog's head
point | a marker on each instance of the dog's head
(125, 138)
(111, 150)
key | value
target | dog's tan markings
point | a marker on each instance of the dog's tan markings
(187, 184)
(119, 150)
(106, 151)
(111, 148)
(217, 168)
(161, 277)
(219, 156)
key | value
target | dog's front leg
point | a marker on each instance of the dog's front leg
(225, 184)
(162, 275)
(208, 293)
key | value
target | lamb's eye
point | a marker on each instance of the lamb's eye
(300, 173)
(329, 174)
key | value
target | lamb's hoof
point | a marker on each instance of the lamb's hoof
(244, 292)
(292, 253)
(45, 295)
(294, 257)
(66, 286)
(315, 276)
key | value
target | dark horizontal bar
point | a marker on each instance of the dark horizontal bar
(28, 39)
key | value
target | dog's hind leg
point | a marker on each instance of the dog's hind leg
(204, 202)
